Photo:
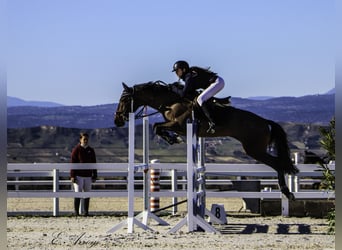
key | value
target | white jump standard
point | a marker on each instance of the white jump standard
(131, 220)
(147, 214)
(195, 187)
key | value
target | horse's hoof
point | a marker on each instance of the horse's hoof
(291, 197)
(179, 139)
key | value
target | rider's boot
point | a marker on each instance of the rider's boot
(211, 128)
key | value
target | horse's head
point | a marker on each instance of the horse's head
(156, 95)
(124, 106)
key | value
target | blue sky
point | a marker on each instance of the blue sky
(77, 52)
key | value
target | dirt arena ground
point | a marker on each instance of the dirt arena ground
(40, 230)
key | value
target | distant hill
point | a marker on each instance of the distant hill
(331, 92)
(17, 102)
(49, 144)
(307, 109)
(260, 98)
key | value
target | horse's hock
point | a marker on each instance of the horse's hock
(251, 204)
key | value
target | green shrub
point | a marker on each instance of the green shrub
(328, 143)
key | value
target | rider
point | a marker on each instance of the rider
(199, 78)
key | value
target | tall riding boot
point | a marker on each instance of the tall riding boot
(77, 206)
(86, 206)
(205, 109)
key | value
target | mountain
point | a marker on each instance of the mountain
(49, 144)
(260, 98)
(305, 109)
(17, 102)
(331, 92)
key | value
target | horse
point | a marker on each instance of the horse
(256, 134)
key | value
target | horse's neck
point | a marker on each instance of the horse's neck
(158, 102)
(162, 100)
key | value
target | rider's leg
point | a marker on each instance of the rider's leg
(205, 110)
(209, 92)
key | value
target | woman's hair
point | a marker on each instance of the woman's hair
(203, 70)
(84, 135)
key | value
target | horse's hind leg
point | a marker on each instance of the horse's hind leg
(283, 187)
(276, 164)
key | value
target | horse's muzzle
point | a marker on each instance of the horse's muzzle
(119, 120)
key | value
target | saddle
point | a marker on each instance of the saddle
(223, 102)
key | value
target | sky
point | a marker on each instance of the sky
(78, 52)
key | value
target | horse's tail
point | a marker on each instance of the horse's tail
(279, 137)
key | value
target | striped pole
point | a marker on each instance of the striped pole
(154, 187)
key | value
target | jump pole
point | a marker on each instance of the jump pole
(194, 217)
(146, 213)
(201, 173)
(131, 220)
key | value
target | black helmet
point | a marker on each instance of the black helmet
(180, 65)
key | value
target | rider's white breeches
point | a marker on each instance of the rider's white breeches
(212, 90)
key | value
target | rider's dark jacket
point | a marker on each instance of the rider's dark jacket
(197, 78)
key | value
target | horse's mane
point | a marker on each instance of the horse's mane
(175, 87)
(150, 84)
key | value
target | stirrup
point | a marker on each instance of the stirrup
(211, 129)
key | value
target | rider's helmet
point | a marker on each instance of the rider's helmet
(181, 65)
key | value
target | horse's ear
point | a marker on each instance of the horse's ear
(124, 85)
(126, 88)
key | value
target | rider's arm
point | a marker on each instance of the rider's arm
(189, 85)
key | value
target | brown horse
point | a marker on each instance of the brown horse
(255, 133)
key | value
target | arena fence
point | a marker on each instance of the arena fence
(51, 180)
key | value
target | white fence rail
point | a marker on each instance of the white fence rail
(56, 175)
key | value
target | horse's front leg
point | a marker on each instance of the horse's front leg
(166, 130)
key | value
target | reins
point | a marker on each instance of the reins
(140, 115)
